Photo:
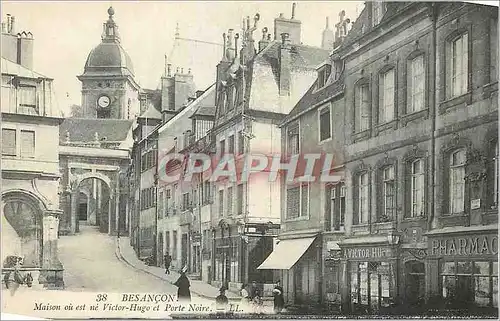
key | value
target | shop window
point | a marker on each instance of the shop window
(370, 285)
(386, 100)
(457, 181)
(470, 283)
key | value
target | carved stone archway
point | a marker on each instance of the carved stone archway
(76, 180)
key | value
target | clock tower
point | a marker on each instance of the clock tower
(109, 89)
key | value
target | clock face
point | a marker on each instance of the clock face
(103, 101)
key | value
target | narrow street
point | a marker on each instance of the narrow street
(90, 264)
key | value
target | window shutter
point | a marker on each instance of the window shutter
(356, 200)
(328, 211)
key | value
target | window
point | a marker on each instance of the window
(186, 202)
(207, 195)
(386, 87)
(222, 101)
(337, 206)
(323, 75)
(389, 192)
(231, 144)
(416, 82)
(297, 199)
(459, 65)
(466, 282)
(8, 142)
(293, 139)
(160, 205)
(222, 147)
(241, 143)
(370, 285)
(362, 112)
(27, 100)
(221, 203)
(417, 188)
(364, 198)
(325, 130)
(457, 181)
(495, 199)
(174, 245)
(239, 199)
(229, 201)
(167, 242)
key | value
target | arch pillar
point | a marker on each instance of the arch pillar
(52, 268)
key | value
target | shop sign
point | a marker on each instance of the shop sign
(366, 253)
(465, 245)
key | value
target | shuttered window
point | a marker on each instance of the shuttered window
(8, 142)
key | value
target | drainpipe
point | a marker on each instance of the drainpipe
(432, 103)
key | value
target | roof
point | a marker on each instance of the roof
(109, 58)
(302, 56)
(206, 99)
(314, 97)
(84, 129)
(206, 106)
(14, 69)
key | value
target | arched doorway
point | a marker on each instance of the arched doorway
(415, 283)
(22, 228)
(92, 202)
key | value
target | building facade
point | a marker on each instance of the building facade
(94, 151)
(30, 173)
(256, 88)
(415, 218)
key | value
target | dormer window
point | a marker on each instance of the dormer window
(323, 75)
(378, 11)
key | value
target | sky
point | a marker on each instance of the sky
(65, 32)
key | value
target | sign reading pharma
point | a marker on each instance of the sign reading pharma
(479, 240)
(465, 245)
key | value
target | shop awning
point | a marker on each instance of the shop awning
(286, 254)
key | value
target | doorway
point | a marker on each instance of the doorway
(415, 283)
(82, 211)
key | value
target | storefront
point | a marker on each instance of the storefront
(369, 266)
(463, 269)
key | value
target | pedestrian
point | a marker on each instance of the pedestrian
(221, 301)
(254, 290)
(279, 300)
(168, 260)
(245, 298)
(182, 283)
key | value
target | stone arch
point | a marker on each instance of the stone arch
(104, 221)
(77, 179)
(22, 226)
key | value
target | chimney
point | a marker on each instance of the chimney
(264, 41)
(12, 30)
(328, 37)
(229, 49)
(224, 46)
(289, 26)
(341, 28)
(9, 42)
(285, 61)
(169, 70)
(25, 50)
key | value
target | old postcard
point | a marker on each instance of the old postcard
(170, 160)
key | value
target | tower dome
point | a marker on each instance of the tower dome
(109, 57)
